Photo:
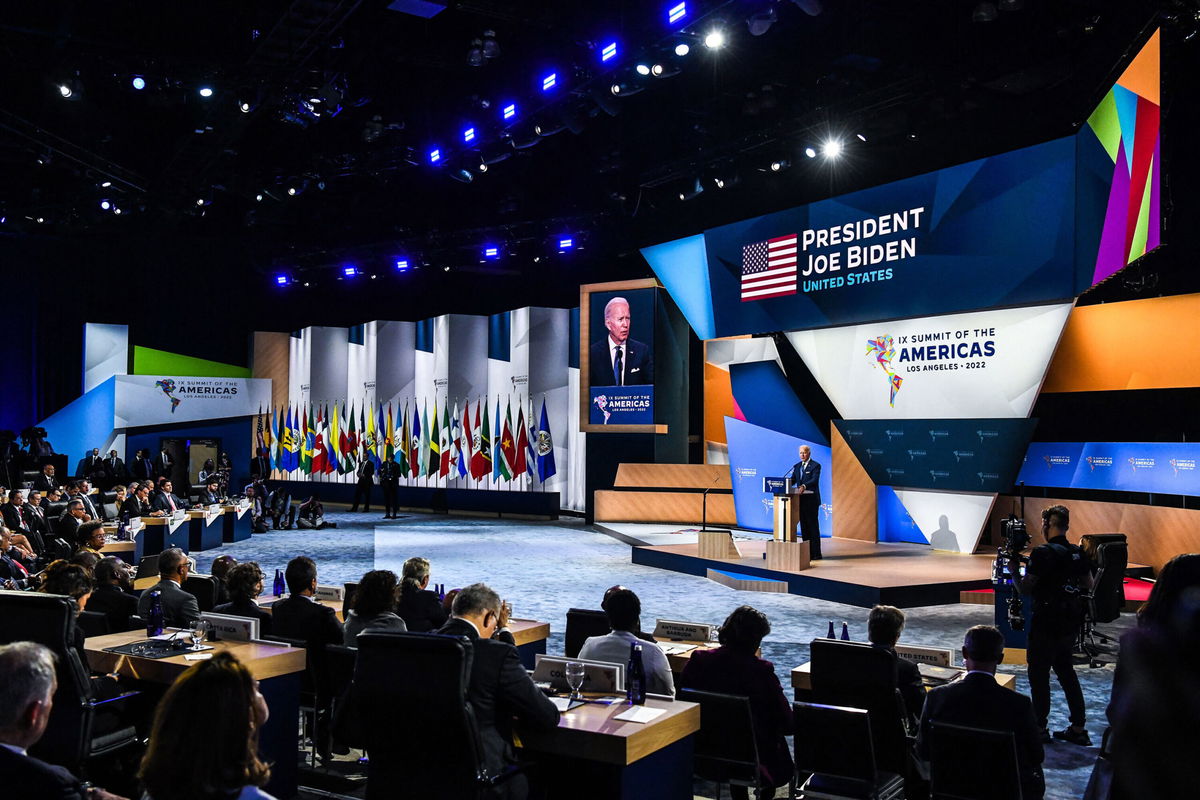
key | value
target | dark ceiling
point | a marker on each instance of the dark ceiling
(923, 83)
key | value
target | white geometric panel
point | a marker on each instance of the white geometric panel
(948, 520)
(105, 353)
(987, 364)
(723, 352)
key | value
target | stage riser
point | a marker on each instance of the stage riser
(807, 585)
(685, 508)
(534, 505)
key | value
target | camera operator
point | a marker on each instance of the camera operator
(1058, 575)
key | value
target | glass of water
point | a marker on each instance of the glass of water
(197, 630)
(575, 671)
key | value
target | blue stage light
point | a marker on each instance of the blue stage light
(549, 81)
(491, 252)
(510, 110)
(402, 264)
(138, 82)
(469, 135)
(566, 243)
(350, 271)
(609, 52)
(435, 155)
(282, 280)
(677, 12)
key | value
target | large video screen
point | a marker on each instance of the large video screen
(618, 357)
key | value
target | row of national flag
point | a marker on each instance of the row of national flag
(474, 442)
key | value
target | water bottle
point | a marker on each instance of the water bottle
(154, 621)
(278, 588)
(122, 531)
(845, 632)
(441, 590)
(831, 634)
(635, 682)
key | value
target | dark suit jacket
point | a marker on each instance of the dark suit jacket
(366, 471)
(300, 617)
(143, 469)
(243, 608)
(15, 519)
(66, 527)
(133, 507)
(159, 502)
(162, 468)
(639, 364)
(179, 607)
(908, 681)
(809, 476)
(421, 611)
(26, 777)
(91, 504)
(115, 471)
(262, 466)
(114, 604)
(727, 671)
(500, 690)
(207, 498)
(9, 571)
(978, 701)
(44, 484)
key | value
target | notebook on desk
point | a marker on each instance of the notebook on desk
(933, 674)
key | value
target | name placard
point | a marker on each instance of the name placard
(598, 676)
(938, 656)
(682, 631)
(229, 627)
(336, 593)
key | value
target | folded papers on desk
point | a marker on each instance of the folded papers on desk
(640, 714)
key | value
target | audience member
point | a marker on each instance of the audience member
(1058, 575)
(179, 607)
(47, 480)
(219, 571)
(166, 500)
(312, 515)
(419, 607)
(977, 701)
(207, 471)
(13, 573)
(258, 511)
(115, 468)
(119, 495)
(14, 515)
(28, 681)
(374, 607)
(35, 514)
(90, 537)
(733, 668)
(500, 689)
(85, 558)
(1156, 690)
(245, 583)
(196, 754)
(609, 592)
(884, 626)
(75, 581)
(211, 493)
(81, 490)
(283, 513)
(624, 611)
(113, 596)
(143, 467)
(72, 517)
(138, 505)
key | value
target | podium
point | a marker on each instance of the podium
(784, 552)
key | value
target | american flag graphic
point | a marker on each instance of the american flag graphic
(769, 268)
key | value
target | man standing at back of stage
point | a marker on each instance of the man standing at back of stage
(806, 477)
(389, 481)
(1058, 575)
(366, 475)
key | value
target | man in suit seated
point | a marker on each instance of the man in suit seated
(299, 616)
(618, 360)
(15, 569)
(47, 480)
(166, 500)
(72, 517)
(81, 490)
(211, 492)
(624, 611)
(23, 522)
(884, 626)
(500, 689)
(113, 596)
(978, 701)
(179, 606)
(27, 685)
(138, 505)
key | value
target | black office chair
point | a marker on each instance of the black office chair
(582, 624)
(346, 719)
(92, 623)
(420, 676)
(834, 744)
(1107, 597)
(204, 589)
(972, 763)
(349, 591)
(81, 727)
(725, 748)
(858, 675)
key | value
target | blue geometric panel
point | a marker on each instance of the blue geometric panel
(756, 453)
(893, 521)
(765, 397)
(682, 267)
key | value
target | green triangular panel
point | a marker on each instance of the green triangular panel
(1105, 125)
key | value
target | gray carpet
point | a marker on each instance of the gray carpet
(546, 568)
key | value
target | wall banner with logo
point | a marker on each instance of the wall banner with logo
(143, 400)
(1153, 467)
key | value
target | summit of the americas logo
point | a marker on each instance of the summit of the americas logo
(168, 387)
(883, 349)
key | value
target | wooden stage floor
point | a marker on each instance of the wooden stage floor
(852, 572)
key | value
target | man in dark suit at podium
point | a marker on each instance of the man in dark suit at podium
(806, 477)
(618, 360)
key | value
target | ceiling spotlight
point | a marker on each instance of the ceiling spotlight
(350, 270)
(682, 49)
(491, 48)
(761, 22)
(676, 12)
(608, 52)
(469, 135)
(696, 190)
(105, 204)
(565, 243)
(138, 82)
(475, 55)
(779, 165)
(105, 184)
(491, 251)
(244, 107)
(483, 167)
(281, 280)
(200, 201)
(115, 211)
(861, 137)
(549, 128)
(258, 198)
(509, 111)
(832, 148)
(656, 70)
(292, 191)
(65, 90)
(811, 152)
(625, 89)
(719, 182)
(643, 69)
(206, 91)
(435, 155)
(402, 264)
(550, 81)
(665, 70)
(446, 268)
(715, 39)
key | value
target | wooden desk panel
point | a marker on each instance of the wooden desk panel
(802, 679)
(265, 601)
(263, 660)
(589, 732)
(528, 631)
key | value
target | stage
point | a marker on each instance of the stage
(853, 572)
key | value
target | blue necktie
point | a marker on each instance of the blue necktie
(618, 368)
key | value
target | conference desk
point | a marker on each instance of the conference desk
(205, 528)
(277, 668)
(162, 533)
(265, 601)
(236, 524)
(592, 755)
(130, 551)
(802, 680)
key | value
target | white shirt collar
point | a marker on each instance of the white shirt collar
(478, 632)
(14, 748)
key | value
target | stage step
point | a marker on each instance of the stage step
(667, 493)
(747, 583)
